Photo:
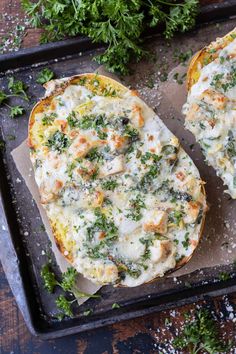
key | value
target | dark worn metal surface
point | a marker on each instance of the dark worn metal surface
(30, 242)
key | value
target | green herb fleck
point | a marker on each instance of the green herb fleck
(224, 276)
(115, 306)
(58, 141)
(16, 111)
(64, 305)
(49, 278)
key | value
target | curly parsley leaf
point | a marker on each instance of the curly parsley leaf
(44, 76)
(16, 111)
(68, 284)
(17, 87)
(49, 278)
(64, 305)
(68, 279)
(3, 97)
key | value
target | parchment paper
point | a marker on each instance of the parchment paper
(218, 244)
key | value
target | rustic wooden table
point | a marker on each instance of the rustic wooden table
(149, 334)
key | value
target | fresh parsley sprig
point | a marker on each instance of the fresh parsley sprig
(117, 23)
(17, 88)
(201, 334)
(44, 76)
(68, 284)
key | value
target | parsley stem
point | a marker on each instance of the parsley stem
(78, 294)
(169, 3)
(16, 95)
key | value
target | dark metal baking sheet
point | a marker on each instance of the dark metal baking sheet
(23, 242)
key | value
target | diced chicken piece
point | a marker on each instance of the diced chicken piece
(193, 113)
(192, 211)
(86, 170)
(217, 99)
(80, 146)
(98, 199)
(137, 118)
(48, 192)
(61, 123)
(112, 167)
(117, 142)
(90, 200)
(161, 250)
(53, 85)
(156, 221)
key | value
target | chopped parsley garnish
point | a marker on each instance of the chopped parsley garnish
(72, 120)
(147, 252)
(134, 273)
(92, 121)
(48, 119)
(136, 206)
(94, 155)
(109, 185)
(226, 84)
(185, 243)
(58, 141)
(131, 132)
(70, 168)
(107, 227)
(148, 155)
(231, 145)
(175, 217)
(147, 179)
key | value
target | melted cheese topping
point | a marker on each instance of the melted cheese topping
(211, 113)
(122, 196)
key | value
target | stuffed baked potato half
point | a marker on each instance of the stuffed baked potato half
(125, 202)
(210, 109)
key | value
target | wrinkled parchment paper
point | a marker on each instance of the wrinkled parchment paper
(218, 243)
